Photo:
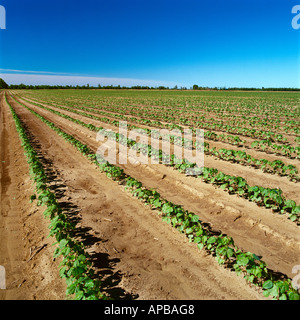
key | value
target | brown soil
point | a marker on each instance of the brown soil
(254, 229)
(134, 252)
(217, 144)
(177, 115)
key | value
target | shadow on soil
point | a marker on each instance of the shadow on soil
(103, 264)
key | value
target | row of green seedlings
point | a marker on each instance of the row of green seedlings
(231, 139)
(285, 149)
(236, 156)
(239, 156)
(221, 246)
(190, 115)
(171, 109)
(234, 140)
(268, 135)
(219, 125)
(267, 197)
(274, 167)
(268, 146)
(163, 115)
(75, 267)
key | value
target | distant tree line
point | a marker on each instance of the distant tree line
(4, 85)
(24, 86)
(196, 87)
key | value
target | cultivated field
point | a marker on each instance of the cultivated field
(149, 231)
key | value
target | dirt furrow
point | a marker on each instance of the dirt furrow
(129, 243)
(254, 176)
(157, 116)
(254, 229)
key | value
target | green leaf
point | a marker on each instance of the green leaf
(156, 203)
(198, 239)
(166, 219)
(167, 208)
(293, 296)
(79, 295)
(189, 230)
(274, 292)
(195, 218)
(71, 289)
(220, 260)
(229, 252)
(268, 284)
(255, 256)
(200, 246)
(62, 272)
(211, 240)
(89, 284)
(242, 261)
(63, 243)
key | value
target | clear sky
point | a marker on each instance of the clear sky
(244, 43)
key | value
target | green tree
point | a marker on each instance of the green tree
(3, 84)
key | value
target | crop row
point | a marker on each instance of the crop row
(267, 197)
(76, 266)
(274, 167)
(188, 116)
(238, 156)
(268, 144)
(281, 149)
(203, 124)
(191, 114)
(255, 270)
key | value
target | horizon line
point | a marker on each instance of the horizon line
(49, 78)
(39, 76)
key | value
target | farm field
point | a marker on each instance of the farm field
(149, 231)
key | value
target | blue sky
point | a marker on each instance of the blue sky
(249, 43)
